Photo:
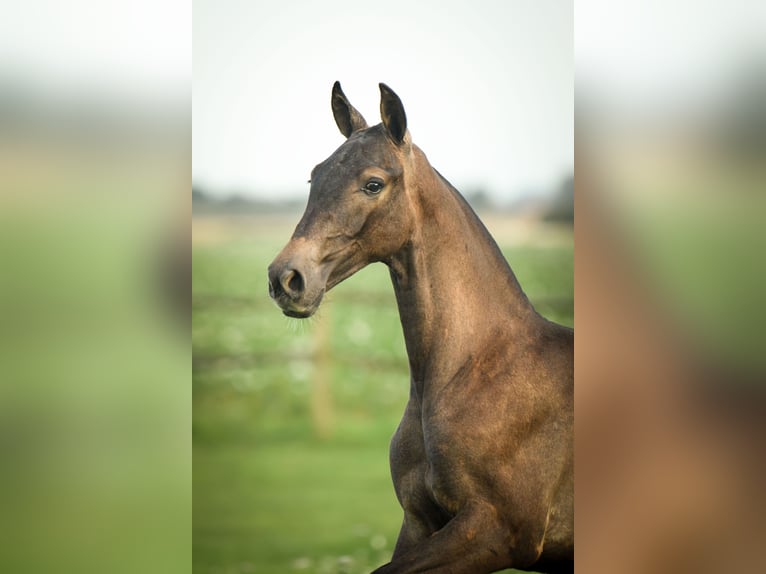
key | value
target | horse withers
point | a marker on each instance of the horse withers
(482, 461)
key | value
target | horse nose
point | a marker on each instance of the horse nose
(287, 281)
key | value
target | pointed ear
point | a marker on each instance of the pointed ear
(348, 119)
(392, 114)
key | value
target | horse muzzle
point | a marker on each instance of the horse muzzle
(294, 286)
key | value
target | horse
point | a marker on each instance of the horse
(482, 461)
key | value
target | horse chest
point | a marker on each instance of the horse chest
(430, 469)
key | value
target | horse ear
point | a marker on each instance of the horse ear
(348, 119)
(392, 114)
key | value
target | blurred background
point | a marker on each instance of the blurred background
(95, 406)
(292, 419)
(670, 360)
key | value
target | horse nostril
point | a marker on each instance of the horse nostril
(292, 282)
(296, 282)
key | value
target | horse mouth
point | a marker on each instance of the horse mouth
(297, 309)
(298, 314)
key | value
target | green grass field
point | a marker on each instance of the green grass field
(292, 418)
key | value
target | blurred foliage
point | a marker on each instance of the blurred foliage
(271, 492)
(562, 205)
(94, 403)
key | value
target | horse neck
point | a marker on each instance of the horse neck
(453, 286)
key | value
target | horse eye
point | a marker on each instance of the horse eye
(373, 187)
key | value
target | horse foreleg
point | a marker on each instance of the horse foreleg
(473, 542)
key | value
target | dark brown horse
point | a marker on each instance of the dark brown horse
(482, 461)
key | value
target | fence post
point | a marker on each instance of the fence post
(321, 397)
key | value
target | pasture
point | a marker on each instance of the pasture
(292, 419)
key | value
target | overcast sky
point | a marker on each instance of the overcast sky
(487, 87)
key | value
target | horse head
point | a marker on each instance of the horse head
(357, 211)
